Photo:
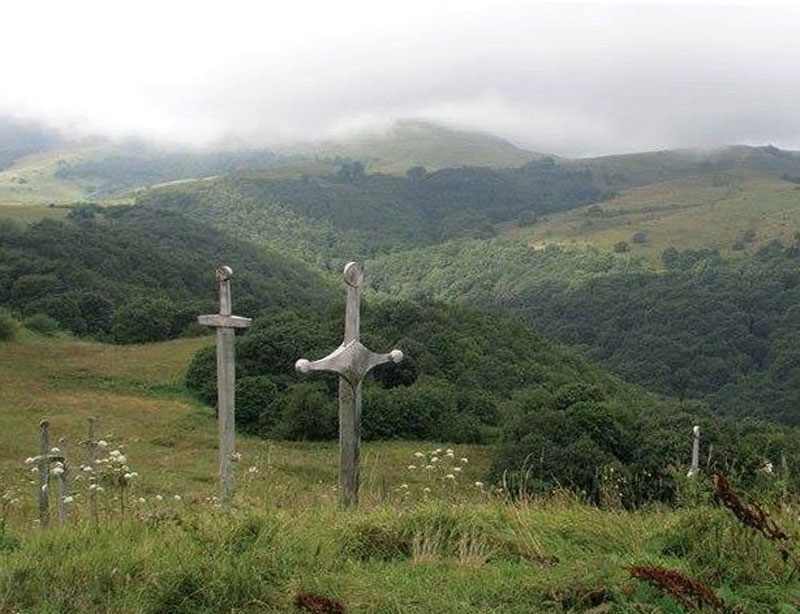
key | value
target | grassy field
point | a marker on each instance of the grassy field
(456, 548)
(706, 211)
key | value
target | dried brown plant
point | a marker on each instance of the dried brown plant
(317, 604)
(689, 592)
(752, 515)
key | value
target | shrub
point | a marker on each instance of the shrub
(143, 321)
(42, 324)
(621, 247)
(639, 237)
(8, 327)
(201, 375)
(306, 412)
(255, 402)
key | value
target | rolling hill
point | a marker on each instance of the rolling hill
(736, 213)
(408, 143)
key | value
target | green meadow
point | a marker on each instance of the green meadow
(419, 542)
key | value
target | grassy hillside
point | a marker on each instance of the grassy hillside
(630, 170)
(455, 548)
(409, 143)
(736, 213)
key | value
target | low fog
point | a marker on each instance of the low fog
(568, 79)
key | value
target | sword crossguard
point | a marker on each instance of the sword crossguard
(352, 361)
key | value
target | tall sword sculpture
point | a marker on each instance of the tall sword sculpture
(225, 323)
(351, 361)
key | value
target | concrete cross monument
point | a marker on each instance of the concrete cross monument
(351, 361)
(225, 323)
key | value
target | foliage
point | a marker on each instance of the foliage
(135, 274)
(255, 402)
(42, 324)
(469, 361)
(353, 214)
(722, 331)
(8, 327)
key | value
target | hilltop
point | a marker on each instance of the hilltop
(409, 143)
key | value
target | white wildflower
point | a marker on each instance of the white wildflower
(253, 469)
(69, 499)
(426, 490)
(479, 484)
(403, 485)
(449, 476)
(434, 459)
(55, 451)
(159, 498)
(465, 460)
(35, 470)
(141, 500)
(102, 443)
(412, 467)
(457, 469)
(177, 497)
(127, 476)
(29, 460)
(100, 489)
(57, 470)
(429, 467)
(416, 454)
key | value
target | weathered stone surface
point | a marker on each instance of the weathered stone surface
(351, 361)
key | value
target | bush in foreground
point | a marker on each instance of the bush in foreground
(42, 324)
(8, 327)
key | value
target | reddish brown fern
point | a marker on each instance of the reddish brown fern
(752, 515)
(689, 592)
(317, 604)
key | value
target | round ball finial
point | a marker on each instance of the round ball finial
(353, 275)
(224, 273)
(302, 366)
(396, 355)
(696, 430)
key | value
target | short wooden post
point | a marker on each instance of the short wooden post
(91, 445)
(63, 484)
(695, 468)
(44, 473)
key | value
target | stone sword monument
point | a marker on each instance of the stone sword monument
(225, 323)
(351, 361)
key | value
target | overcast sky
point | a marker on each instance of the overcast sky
(583, 79)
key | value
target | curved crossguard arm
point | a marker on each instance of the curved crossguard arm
(351, 360)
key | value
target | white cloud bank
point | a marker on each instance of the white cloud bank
(571, 79)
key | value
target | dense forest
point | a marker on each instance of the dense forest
(132, 274)
(353, 214)
(703, 327)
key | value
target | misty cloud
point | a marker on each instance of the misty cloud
(574, 80)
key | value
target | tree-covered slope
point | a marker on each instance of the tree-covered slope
(136, 274)
(353, 214)
(705, 328)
